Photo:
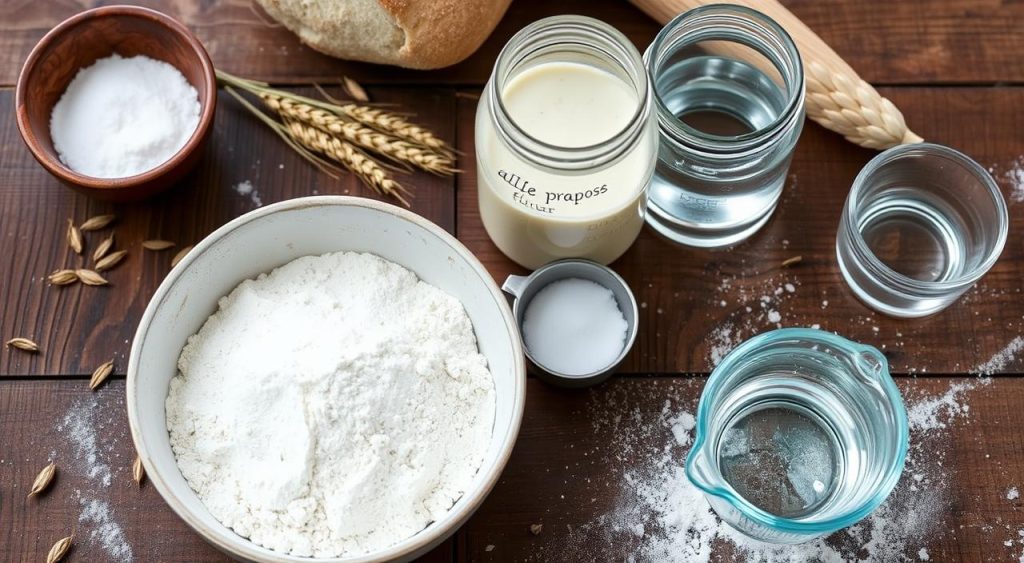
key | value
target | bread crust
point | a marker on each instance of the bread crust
(420, 34)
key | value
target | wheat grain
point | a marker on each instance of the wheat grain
(59, 549)
(90, 277)
(138, 471)
(101, 374)
(181, 254)
(110, 261)
(354, 90)
(157, 244)
(23, 344)
(103, 248)
(62, 277)
(43, 480)
(96, 223)
(74, 237)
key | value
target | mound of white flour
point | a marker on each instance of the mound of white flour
(333, 407)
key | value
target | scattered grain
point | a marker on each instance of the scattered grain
(74, 237)
(103, 248)
(90, 277)
(43, 480)
(111, 261)
(23, 344)
(98, 222)
(101, 374)
(354, 90)
(157, 244)
(59, 550)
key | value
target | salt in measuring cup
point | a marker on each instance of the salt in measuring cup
(799, 433)
(525, 288)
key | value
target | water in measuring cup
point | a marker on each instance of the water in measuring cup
(784, 460)
(723, 97)
(914, 232)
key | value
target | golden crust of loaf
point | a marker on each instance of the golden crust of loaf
(422, 34)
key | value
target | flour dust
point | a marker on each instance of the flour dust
(93, 427)
(660, 517)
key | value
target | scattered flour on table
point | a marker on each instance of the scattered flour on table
(1002, 358)
(1014, 177)
(1013, 493)
(245, 188)
(98, 518)
(93, 426)
(335, 406)
(83, 427)
(660, 517)
(758, 304)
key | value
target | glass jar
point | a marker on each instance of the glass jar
(565, 143)
(729, 98)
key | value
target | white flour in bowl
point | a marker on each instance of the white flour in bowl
(333, 407)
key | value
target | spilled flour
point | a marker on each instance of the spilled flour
(659, 516)
(99, 520)
(1012, 176)
(93, 431)
(245, 188)
(81, 425)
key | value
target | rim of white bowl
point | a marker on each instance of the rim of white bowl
(243, 547)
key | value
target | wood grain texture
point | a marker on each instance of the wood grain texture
(582, 456)
(80, 327)
(568, 470)
(911, 42)
(694, 303)
(62, 421)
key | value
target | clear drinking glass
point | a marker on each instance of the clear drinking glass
(799, 433)
(921, 225)
(729, 97)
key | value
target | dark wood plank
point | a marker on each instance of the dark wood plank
(62, 421)
(568, 472)
(584, 458)
(80, 327)
(694, 303)
(915, 42)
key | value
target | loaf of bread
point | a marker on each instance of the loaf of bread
(420, 34)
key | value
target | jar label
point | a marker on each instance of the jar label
(551, 201)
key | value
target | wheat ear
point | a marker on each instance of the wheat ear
(396, 125)
(348, 156)
(855, 110)
(358, 134)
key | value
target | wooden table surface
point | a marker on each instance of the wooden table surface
(583, 459)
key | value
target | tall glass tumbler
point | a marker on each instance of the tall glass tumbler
(729, 97)
(921, 225)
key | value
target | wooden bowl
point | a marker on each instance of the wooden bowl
(79, 42)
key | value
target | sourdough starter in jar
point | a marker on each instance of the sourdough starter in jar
(565, 144)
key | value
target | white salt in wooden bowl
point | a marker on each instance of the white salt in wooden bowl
(270, 237)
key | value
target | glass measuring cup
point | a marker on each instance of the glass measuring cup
(799, 433)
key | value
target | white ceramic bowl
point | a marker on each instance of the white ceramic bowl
(270, 237)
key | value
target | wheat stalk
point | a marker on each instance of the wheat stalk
(358, 134)
(854, 109)
(310, 143)
(348, 156)
(397, 126)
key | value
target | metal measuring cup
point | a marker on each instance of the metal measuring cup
(524, 288)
